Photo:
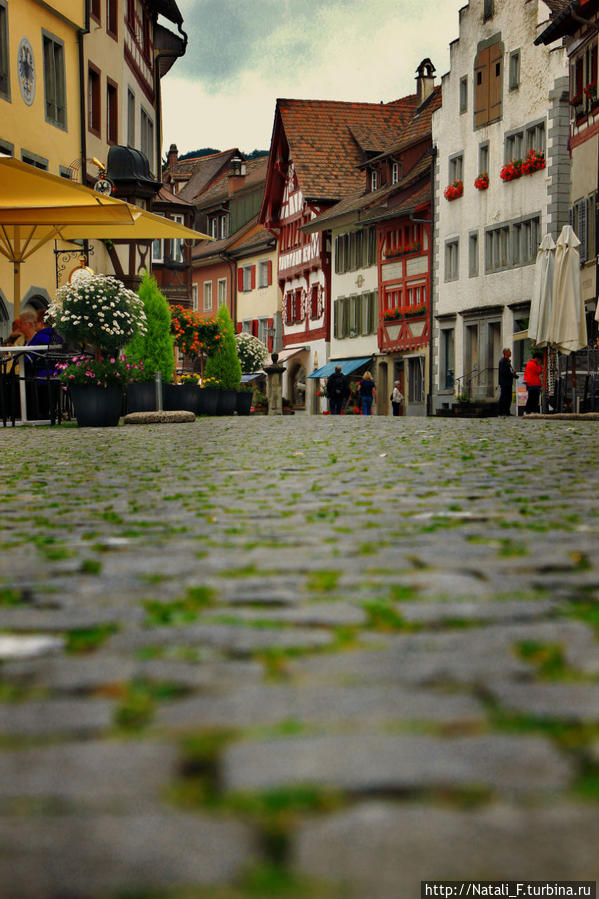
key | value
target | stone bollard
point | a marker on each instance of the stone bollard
(274, 386)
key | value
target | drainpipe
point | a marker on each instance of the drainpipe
(431, 222)
(82, 95)
(233, 291)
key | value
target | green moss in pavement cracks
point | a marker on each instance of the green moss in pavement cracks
(137, 705)
(87, 639)
(178, 612)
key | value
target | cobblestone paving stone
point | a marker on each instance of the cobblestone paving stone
(302, 657)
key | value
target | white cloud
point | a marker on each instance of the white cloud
(346, 51)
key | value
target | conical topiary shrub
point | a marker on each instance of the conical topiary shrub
(223, 362)
(154, 349)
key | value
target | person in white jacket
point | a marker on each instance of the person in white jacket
(396, 398)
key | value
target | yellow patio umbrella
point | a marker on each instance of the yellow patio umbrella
(35, 206)
(143, 226)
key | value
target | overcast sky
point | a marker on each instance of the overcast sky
(243, 54)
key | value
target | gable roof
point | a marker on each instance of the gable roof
(328, 139)
(219, 189)
(206, 170)
(562, 21)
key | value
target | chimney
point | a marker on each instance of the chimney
(425, 80)
(237, 174)
(172, 156)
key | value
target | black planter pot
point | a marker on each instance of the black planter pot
(227, 401)
(181, 398)
(244, 402)
(141, 396)
(208, 400)
(96, 407)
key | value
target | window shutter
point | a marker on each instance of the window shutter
(269, 273)
(240, 279)
(287, 308)
(336, 311)
(481, 88)
(583, 209)
(254, 327)
(495, 81)
(253, 270)
(345, 317)
(337, 255)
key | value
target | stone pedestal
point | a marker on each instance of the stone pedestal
(274, 386)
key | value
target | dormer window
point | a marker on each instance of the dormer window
(374, 179)
(395, 173)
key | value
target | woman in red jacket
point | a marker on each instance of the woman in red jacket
(532, 379)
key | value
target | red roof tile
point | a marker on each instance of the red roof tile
(327, 140)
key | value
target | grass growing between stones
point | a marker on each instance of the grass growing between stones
(547, 659)
(178, 612)
(87, 639)
(138, 701)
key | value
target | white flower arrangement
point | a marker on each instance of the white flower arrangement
(251, 352)
(99, 311)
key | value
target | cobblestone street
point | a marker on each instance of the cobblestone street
(298, 657)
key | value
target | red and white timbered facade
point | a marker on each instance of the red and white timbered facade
(303, 268)
(404, 284)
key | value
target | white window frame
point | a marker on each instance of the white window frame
(207, 296)
(178, 244)
(452, 259)
(130, 118)
(263, 273)
(146, 136)
(221, 289)
(395, 173)
(374, 180)
(247, 278)
(514, 70)
(157, 250)
(456, 167)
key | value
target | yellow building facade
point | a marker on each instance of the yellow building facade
(40, 117)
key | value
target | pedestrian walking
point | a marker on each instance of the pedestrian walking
(506, 382)
(367, 393)
(337, 390)
(396, 398)
(532, 379)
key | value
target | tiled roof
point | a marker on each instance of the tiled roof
(403, 202)
(209, 248)
(254, 241)
(164, 195)
(205, 172)
(256, 175)
(321, 135)
(385, 197)
(419, 126)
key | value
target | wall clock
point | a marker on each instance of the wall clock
(26, 71)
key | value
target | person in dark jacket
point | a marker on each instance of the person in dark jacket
(506, 382)
(337, 390)
(367, 393)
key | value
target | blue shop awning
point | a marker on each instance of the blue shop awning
(347, 366)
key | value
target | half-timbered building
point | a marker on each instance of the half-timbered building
(316, 150)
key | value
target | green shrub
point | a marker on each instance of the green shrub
(223, 363)
(154, 348)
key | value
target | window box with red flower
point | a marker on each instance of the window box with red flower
(403, 251)
(576, 100)
(534, 162)
(454, 191)
(511, 170)
(482, 182)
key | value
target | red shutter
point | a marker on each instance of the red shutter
(269, 273)
(578, 77)
(240, 279)
(238, 328)
(255, 327)
(288, 308)
(253, 277)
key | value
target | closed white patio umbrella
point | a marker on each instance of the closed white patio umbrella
(542, 296)
(567, 323)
